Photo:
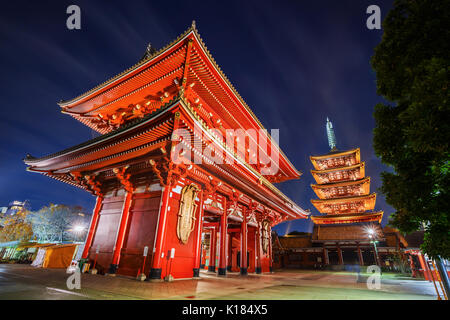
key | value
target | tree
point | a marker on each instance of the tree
(412, 133)
(57, 222)
(15, 227)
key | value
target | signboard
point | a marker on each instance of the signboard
(145, 251)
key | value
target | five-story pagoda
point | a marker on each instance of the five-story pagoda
(342, 187)
(348, 226)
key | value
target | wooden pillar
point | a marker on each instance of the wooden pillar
(158, 249)
(121, 233)
(258, 248)
(412, 266)
(223, 240)
(212, 250)
(326, 259)
(341, 259)
(424, 267)
(427, 266)
(230, 252)
(198, 239)
(92, 227)
(244, 262)
(360, 257)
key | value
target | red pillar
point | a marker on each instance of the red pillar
(360, 257)
(223, 240)
(412, 266)
(92, 227)
(212, 250)
(326, 259)
(198, 241)
(244, 263)
(230, 251)
(427, 266)
(121, 233)
(155, 272)
(258, 248)
(341, 260)
(424, 267)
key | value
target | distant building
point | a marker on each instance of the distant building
(14, 207)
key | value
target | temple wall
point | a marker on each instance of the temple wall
(182, 265)
(105, 234)
(140, 233)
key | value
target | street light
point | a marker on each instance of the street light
(371, 231)
(78, 228)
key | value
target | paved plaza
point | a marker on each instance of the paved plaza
(26, 282)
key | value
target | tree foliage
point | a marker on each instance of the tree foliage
(412, 133)
(57, 222)
(15, 227)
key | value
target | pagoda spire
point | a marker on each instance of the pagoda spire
(330, 135)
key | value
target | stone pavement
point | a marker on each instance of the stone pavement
(26, 282)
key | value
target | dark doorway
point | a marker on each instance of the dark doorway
(368, 257)
(239, 258)
(350, 256)
(333, 256)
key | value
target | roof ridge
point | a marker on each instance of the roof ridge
(141, 62)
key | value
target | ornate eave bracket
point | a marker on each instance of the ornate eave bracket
(124, 178)
(167, 172)
(89, 181)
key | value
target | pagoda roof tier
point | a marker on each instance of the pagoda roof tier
(348, 218)
(342, 189)
(336, 159)
(334, 175)
(150, 138)
(184, 68)
(346, 204)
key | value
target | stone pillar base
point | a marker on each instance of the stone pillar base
(222, 272)
(244, 271)
(155, 274)
(196, 272)
(112, 269)
(141, 277)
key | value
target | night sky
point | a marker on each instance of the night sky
(293, 62)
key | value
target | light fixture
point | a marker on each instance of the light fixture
(78, 228)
